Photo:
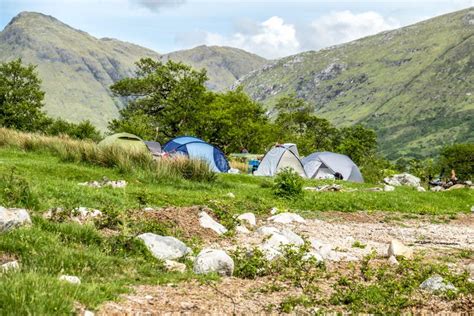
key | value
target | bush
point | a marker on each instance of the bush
(288, 184)
(459, 157)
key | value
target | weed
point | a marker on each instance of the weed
(358, 244)
(288, 184)
(15, 191)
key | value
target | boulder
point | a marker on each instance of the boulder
(437, 284)
(267, 230)
(397, 248)
(287, 218)
(214, 260)
(456, 187)
(437, 188)
(242, 229)
(175, 266)
(272, 246)
(208, 222)
(420, 189)
(249, 218)
(70, 279)
(164, 247)
(403, 179)
(393, 261)
(292, 237)
(13, 218)
(10, 266)
(388, 188)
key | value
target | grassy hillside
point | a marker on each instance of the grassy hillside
(413, 85)
(42, 173)
(77, 68)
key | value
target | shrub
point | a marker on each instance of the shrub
(288, 184)
(459, 157)
(250, 264)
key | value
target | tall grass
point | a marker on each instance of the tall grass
(125, 160)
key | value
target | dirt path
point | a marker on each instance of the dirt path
(340, 231)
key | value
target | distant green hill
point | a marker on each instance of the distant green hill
(414, 85)
(77, 68)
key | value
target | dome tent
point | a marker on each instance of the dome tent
(318, 165)
(125, 141)
(278, 158)
(196, 148)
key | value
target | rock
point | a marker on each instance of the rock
(230, 195)
(249, 218)
(456, 187)
(388, 188)
(313, 254)
(10, 266)
(83, 214)
(472, 209)
(376, 189)
(88, 313)
(272, 246)
(267, 230)
(242, 229)
(187, 305)
(403, 179)
(437, 284)
(70, 279)
(420, 189)
(164, 247)
(469, 183)
(233, 171)
(105, 183)
(437, 188)
(174, 266)
(13, 218)
(397, 248)
(214, 260)
(274, 211)
(292, 237)
(393, 261)
(208, 222)
(287, 218)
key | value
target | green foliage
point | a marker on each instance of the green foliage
(15, 191)
(374, 168)
(287, 184)
(21, 97)
(459, 157)
(82, 130)
(250, 264)
(357, 142)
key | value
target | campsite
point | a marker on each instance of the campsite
(331, 175)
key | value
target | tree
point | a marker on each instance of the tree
(168, 94)
(459, 157)
(357, 142)
(21, 97)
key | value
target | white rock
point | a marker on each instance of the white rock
(214, 260)
(233, 171)
(171, 265)
(83, 213)
(88, 313)
(292, 237)
(437, 188)
(13, 218)
(274, 211)
(392, 182)
(403, 179)
(208, 222)
(313, 254)
(272, 246)
(116, 184)
(10, 266)
(388, 188)
(249, 218)
(267, 230)
(164, 247)
(420, 189)
(70, 278)
(242, 229)
(230, 195)
(397, 248)
(393, 261)
(437, 284)
(287, 218)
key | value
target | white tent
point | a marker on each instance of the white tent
(321, 165)
(278, 158)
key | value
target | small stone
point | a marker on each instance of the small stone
(292, 237)
(456, 187)
(70, 279)
(13, 218)
(420, 189)
(88, 313)
(230, 195)
(10, 266)
(242, 230)
(393, 261)
(148, 297)
(397, 248)
(267, 230)
(164, 247)
(437, 188)
(249, 218)
(274, 211)
(175, 266)
(388, 188)
(187, 305)
(437, 284)
(287, 218)
(213, 260)
(208, 222)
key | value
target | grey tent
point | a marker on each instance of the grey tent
(321, 165)
(278, 158)
(153, 147)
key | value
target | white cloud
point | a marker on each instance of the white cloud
(344, 26)
(155, 5)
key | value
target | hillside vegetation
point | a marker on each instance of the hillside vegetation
(413, 85)
(77, 68)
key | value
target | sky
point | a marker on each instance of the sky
(271, 29)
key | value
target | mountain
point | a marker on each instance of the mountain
(414, 85)
(77, 68)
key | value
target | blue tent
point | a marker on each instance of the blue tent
(196, 148)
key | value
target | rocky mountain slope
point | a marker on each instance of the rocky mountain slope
(414, 85)
(77, 68)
